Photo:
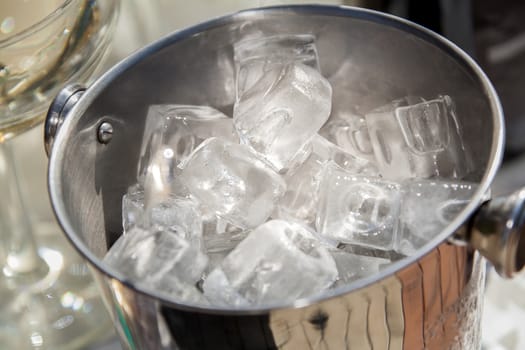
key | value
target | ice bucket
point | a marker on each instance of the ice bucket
(430, 300)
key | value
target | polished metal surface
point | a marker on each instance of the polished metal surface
(432, 304)
(429, 300)
(62, 103)
(499, 233)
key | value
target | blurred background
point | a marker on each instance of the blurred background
(493, 33)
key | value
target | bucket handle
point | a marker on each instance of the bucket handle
(496, 231)
(59, 108)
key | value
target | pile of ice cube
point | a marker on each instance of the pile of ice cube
(285, 200)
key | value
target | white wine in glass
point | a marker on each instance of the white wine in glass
(66, 42)
(47, 297)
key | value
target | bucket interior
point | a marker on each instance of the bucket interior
(369, 59)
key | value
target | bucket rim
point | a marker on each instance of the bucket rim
(57, 155)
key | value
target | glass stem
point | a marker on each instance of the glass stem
(21, 255)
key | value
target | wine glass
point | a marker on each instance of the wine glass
(47, 297)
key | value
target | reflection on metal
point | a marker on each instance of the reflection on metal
(497, 231)
(433, 304)
(105, 132)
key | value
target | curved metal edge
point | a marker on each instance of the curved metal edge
(61, 105)
(57, 156)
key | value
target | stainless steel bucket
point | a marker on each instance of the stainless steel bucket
(430, 300)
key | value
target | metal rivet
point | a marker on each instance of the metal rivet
(105, 132)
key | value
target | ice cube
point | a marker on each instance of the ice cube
(354, 164)
(302, 183)
(352, 267)
(278, 262)
(232, 182)
(180, 128)
(178, 215)
(418, 140)
(280, 113)
(170, 286)
(161, 179)
(215, 225)
(349, 131)
(218, 246)
(149, 257)
(428, 206)
(224, 242)
(254, 57)
(358, 209)
(390, 255)
(132, 207)
(300, 199)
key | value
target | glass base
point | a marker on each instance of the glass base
(59, 309)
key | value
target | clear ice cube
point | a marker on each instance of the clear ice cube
(170, 286)
(232, 182)
(254, 57)
(358, 209)
(330, 151)
(215, 225)
(349, 131)
(277, 262)
(352, 267)
(176, 214)
(300, 199)
(218, 246)
(422, 139)
(161, 179)
(428, 206)
(149, 257)
(180, 129)
(132, 207)
(282, 111)
(302, 183)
